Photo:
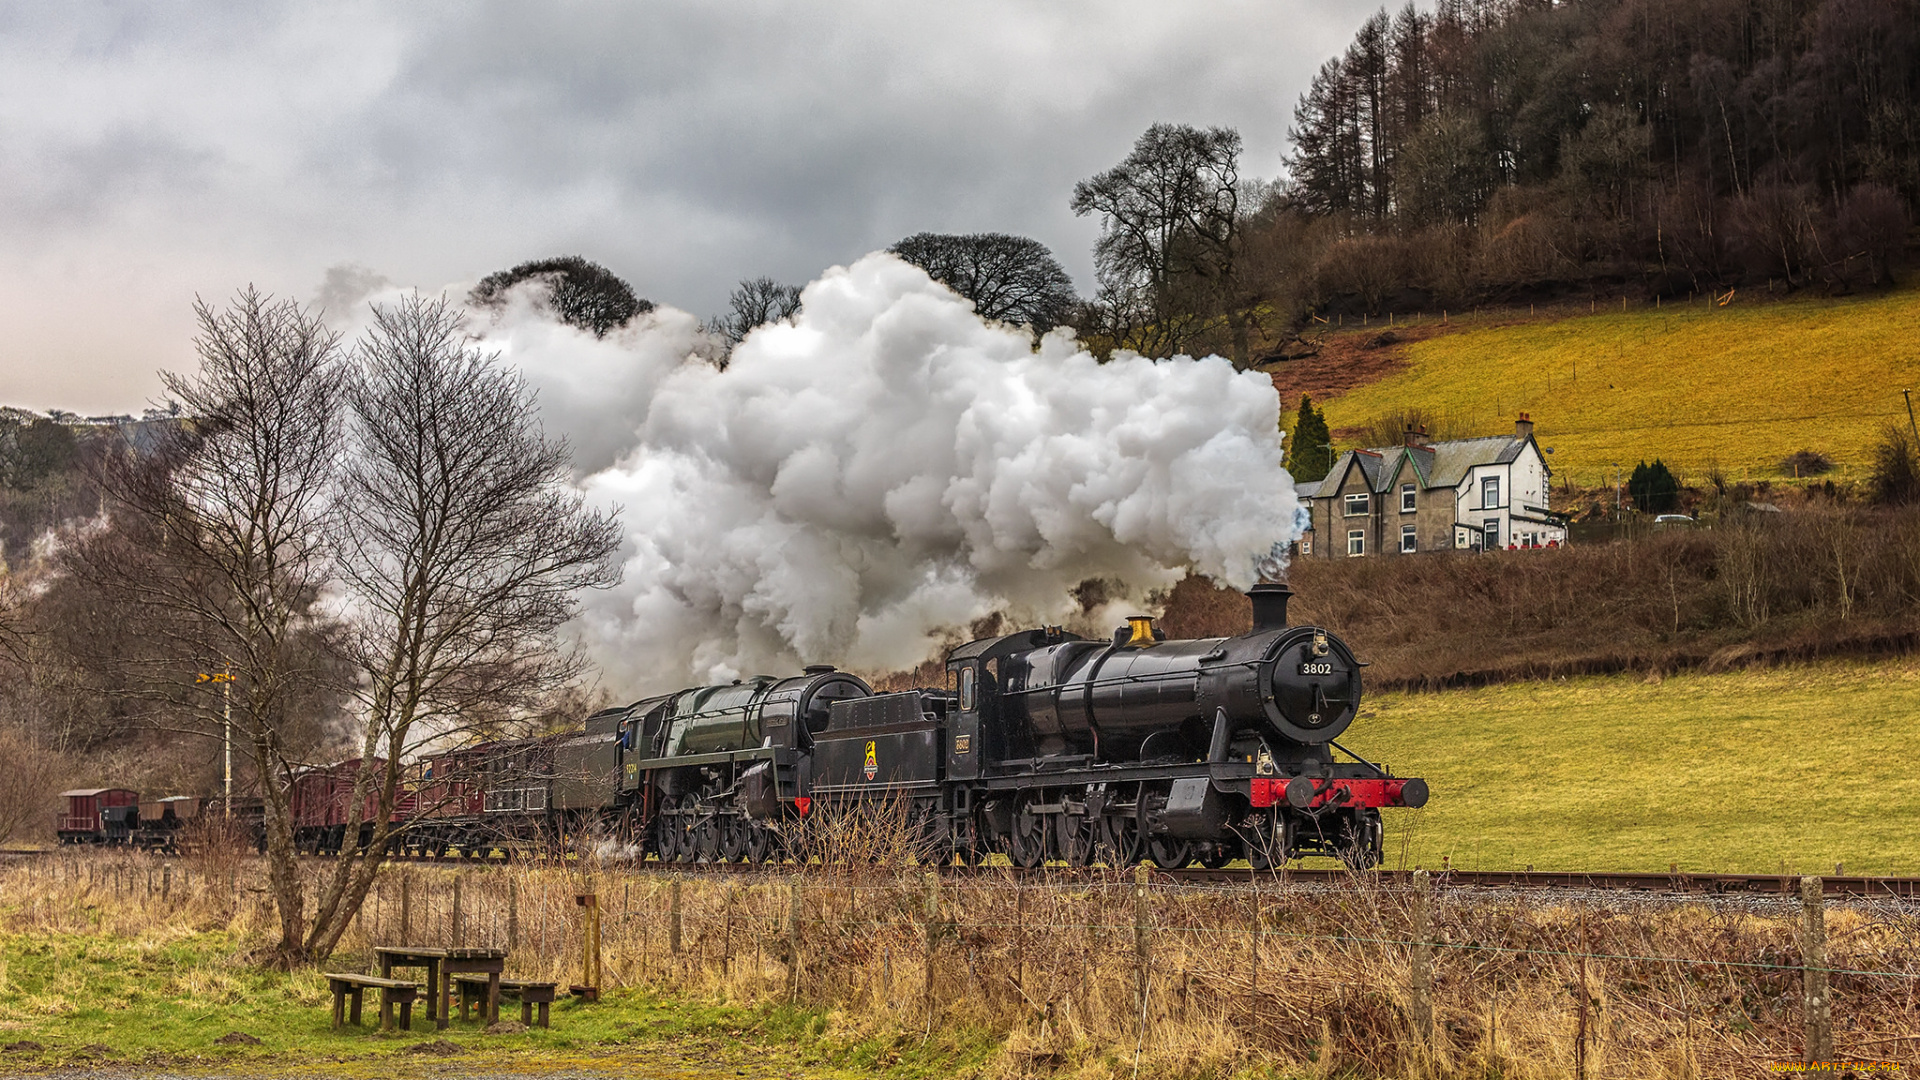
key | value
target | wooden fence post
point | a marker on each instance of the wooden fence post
(1817, 1006)
(1140, 944)
(1422, 974)
(406, 908)
(673, 916)
(931, 910)
(1253, 963)
(589, 904)
(513, 914)
(793, 943)
(459, 917)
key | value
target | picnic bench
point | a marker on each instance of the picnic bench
(474, 989)
(487, 962)
(393, 992)
(405, 956)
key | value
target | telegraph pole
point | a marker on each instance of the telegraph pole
(1911, 426)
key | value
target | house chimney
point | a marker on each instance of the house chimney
(1523, 427)
(1269, 605)
(1416, 435)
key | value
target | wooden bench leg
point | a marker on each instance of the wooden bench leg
(493, 998)
(543, 1014)
(526, 1012)
(358, 992)
(406, 1015)
(339, 1005)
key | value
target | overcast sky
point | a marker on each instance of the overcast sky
(151, 153)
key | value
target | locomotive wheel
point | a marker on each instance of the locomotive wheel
(733, 838)
(706, 840)
(1027, 846)
(1360, 844)
(759, 842)
(1265, 849)
(1169, 853)
(1073, 839)
(1119, 840)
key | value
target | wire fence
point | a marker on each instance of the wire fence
(1365, 976)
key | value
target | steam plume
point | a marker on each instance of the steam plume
(866, 480)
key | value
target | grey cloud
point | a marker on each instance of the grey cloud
(684, 144)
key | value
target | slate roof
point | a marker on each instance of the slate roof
(1439, 465)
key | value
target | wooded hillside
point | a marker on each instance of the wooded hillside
(1669, 145)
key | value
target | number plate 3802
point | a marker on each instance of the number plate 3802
(1320, 668)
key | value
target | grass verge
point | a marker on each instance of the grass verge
(1799, 767)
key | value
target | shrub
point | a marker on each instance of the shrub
(1896, 467)
(1654, 488)
(1806, 463)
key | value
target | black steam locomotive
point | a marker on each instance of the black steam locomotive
(1045, 746)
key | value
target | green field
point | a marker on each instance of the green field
(1741, 386)
(1739, 772)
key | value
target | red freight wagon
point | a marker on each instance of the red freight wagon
(98, 816)
(321, 799)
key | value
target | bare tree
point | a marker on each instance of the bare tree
(757, 302)
(217, 538)
(1169, 237)
(32, 774)
(1009, 278)
(465, 550)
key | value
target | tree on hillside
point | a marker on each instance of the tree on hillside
(756, 302)
(1009, 278)
(583, 294)
(1309, 450)
(34, 451)
(466, 550)
(1654, 488)
(1169, 239)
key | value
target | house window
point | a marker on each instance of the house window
(1407, 541)
(1407, 496)
(1357, 504)
(1356, 542)
(1492, 541)
(1490, 493)
(1306, 542)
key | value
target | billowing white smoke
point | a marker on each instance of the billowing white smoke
(862, 483)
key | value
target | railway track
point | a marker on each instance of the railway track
(1674, 883)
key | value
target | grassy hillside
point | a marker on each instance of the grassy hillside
(1736, 772)
(1742, 386)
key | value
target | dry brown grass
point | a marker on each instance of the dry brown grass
(1049, 967)
(1763, 588)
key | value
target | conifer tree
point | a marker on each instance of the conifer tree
(1309, 453)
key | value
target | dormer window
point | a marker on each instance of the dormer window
(1357, 504)
(1408, 497)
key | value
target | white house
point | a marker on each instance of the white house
(1463, 494)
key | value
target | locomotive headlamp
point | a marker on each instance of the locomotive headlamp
(1320, 644)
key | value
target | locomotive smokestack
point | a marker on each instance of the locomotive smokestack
(1269, 605)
